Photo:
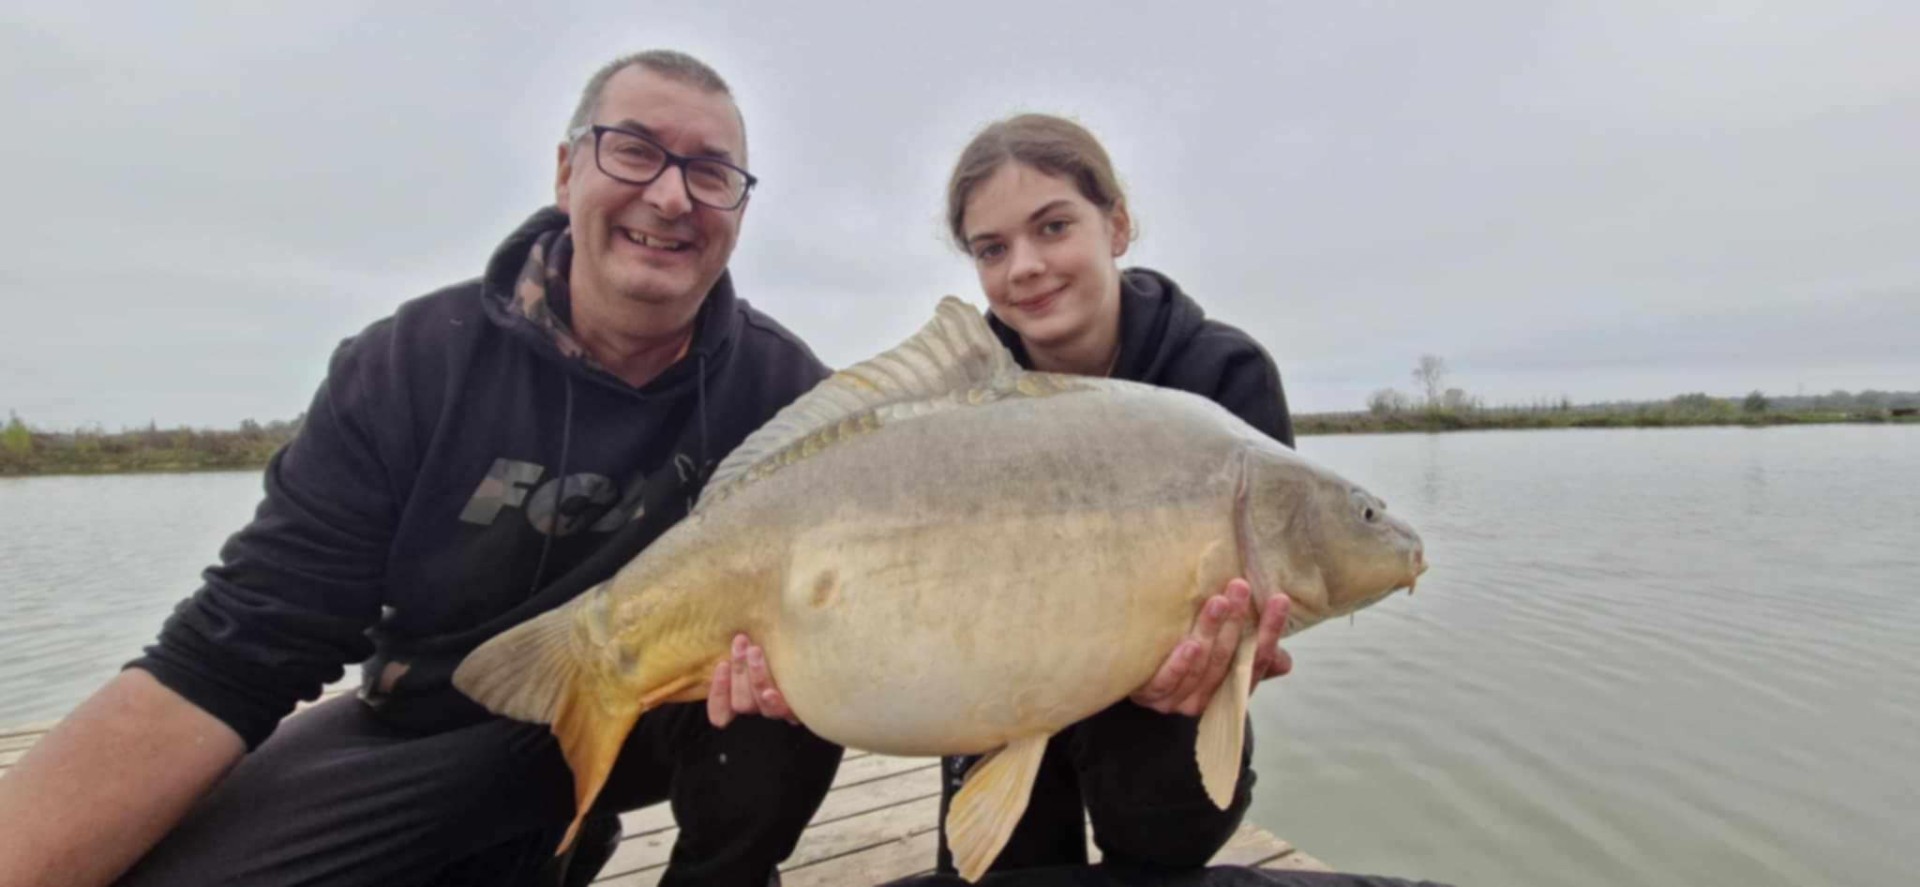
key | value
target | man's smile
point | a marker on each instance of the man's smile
(655, 242)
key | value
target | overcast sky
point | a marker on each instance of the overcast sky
(1601, 200)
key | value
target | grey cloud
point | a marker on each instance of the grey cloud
(1596, 200)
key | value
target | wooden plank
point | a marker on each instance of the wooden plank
(1251, 846)
(822, 842)
(853, 771)
(19, 742)
(826, 839)
(1297, 861)
(861, 798)
(857, 833)
(874, 767)
(854, 800)
(895, 859)
(33, 730)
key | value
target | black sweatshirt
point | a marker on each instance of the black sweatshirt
(409, 517)
(1167, 340)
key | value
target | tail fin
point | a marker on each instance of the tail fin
(537, 671)
(590, 737)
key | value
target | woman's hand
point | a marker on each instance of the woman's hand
(1188, 678)
(743, 685)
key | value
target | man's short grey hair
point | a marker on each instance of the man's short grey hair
(673, 65)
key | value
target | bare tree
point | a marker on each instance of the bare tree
(1431, 375)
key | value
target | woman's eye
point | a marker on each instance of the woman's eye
(989, 252)
(1055, 226)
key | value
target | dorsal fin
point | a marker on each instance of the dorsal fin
(955, 351)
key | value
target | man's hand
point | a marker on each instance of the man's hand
(742, 685)
(1188, 678)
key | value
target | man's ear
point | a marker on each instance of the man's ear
(563, 175)
(1122, 225)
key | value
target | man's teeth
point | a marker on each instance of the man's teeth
(655, 242)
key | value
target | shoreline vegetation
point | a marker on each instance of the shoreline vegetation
(1439, 420)
(27, 451)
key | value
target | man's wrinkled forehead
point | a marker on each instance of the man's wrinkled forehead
(696, 120)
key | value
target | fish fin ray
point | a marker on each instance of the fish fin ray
(525, 671)
(954, 352)
(986, 809)
(1251, 568)
(1222, 734)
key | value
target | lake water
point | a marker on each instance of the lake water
(1649, 657)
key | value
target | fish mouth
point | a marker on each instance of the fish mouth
(1417, 564)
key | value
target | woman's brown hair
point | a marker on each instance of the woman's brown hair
(1053, 145)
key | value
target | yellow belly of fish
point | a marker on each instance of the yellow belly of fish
(956, 638)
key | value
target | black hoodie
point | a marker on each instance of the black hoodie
(407, 520)
(1166, 340)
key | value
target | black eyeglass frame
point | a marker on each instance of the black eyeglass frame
(672, 160)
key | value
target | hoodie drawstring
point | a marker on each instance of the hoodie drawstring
(560, 492)
(706, 459)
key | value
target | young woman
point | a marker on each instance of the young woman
(1035, 202)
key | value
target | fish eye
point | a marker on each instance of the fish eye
(1368, 514)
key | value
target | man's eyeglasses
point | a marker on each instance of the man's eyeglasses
(637, 160)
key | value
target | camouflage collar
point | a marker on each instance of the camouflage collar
(541, 294)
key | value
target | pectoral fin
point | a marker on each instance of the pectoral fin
(986, 809)
(1223, 727)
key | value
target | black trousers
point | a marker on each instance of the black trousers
(1133, 772)
(1111, 875)
(338, 797)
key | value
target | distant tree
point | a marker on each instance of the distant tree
(1431, 375)
(1456, 400)
(1565, 405)
(1385, 401)
(1696, 402)
(1756, 402)
(17, 438)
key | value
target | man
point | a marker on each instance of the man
(482, 455)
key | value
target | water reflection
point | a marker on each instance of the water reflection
(1641, 657)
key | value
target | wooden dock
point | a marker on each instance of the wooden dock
(876, 825)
